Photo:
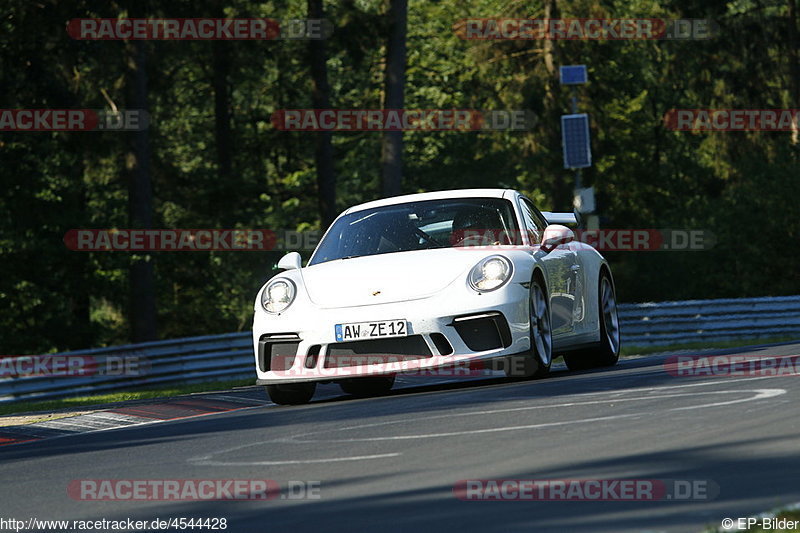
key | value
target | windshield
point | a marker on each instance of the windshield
(420, 226)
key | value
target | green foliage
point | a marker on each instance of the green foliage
(737, 185)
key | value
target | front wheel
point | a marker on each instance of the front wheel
(291, 393)
(536, 363)
(607, 352)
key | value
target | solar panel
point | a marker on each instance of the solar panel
(573, 74)
(575, 141)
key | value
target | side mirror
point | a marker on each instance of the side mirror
(290, 261)
(555, 235)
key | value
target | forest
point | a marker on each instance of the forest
(212, 156)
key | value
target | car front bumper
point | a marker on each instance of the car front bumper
(443, 332)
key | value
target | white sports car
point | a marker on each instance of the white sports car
(429, 281)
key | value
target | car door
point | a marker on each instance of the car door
(562, 268)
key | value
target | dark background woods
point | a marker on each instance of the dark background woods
(211, 158)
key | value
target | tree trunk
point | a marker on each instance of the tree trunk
(77, 266)
(395, 79)
(223, 139)
(320, 97)
(562, 189)
(548, 47)
(794, 64)
(141, 279)
(226, 188)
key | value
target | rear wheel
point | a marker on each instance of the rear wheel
(291, 393)
(536, 363)
(363, 387)
(607, 352)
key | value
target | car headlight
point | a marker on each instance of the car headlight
(278, 295)
(491, 273)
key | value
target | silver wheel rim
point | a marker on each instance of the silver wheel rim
(540, 325)
(610, 320)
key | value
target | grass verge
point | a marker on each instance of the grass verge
(115, 397)
(628, 351)
(146, 394)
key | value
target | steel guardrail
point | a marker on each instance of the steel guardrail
(230, 356)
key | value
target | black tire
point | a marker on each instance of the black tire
(364, 387)
(291, 393)
(536, 363)
(607, 351)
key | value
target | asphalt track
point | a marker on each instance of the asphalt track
(390, 464)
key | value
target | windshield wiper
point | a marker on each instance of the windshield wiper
(430, 239)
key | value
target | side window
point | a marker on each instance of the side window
(534, 223)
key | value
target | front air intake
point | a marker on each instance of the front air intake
(484, 331)
(277, 351)
(376, 351)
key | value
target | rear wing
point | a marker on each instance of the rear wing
(560, 218)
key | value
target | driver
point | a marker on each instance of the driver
(476, 226)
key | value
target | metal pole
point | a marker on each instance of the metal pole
(578, 183)
(574, 99)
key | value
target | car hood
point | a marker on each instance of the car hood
(385, 278)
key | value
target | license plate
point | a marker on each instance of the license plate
(371, 330)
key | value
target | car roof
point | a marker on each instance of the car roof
(436, 195)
